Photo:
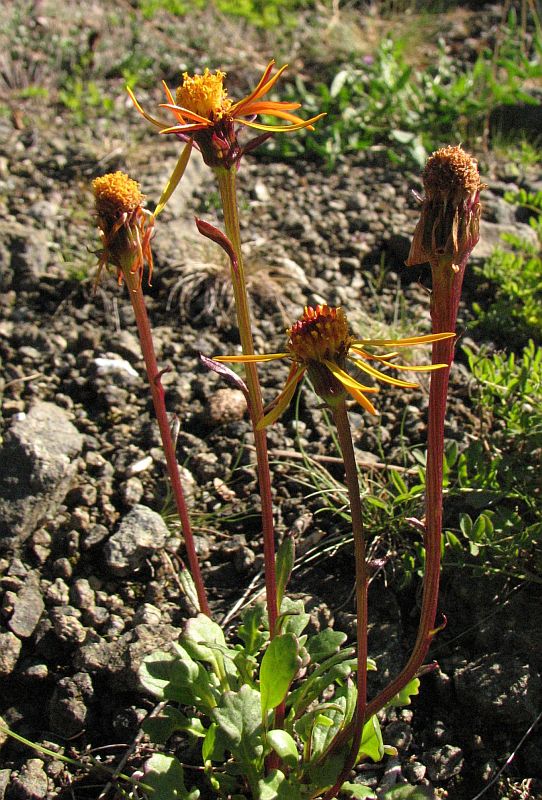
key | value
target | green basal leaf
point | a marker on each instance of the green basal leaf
(402, 698)
(213, 746)
(239, 718)
(304, 725)
(189, 587)
(350, 693)
(166, 776)
(284, 566)
(249, 630)
(168, 722)
(292, 618)
(279, 665)
(208, 745)
(168, 676)
(275, 787)
(324, 775)
(358, 790)
(335, 669)
(283, 744)
(199, 633)
(155, 673)
(325, 728)
(204, 640)
(325, 644)
(225, 785)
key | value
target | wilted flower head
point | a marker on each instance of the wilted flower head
(449, 223)
(126, 228)
(320, 344)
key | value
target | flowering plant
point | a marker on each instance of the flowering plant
(278, 713)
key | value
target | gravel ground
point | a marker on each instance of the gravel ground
(88, 549)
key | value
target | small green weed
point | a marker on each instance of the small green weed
(515, 309)
(78, 96)
(176, 7)
(518, 154)
(496, 479)
(383, 100)
(261, 14)
(492, 487)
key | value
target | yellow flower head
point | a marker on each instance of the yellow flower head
(320, 344)
(116, 194)
(449, 225)
(207, 119)
(126, 227)
(204, 95)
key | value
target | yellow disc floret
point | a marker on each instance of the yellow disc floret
(116, 194)
(204, 94)
(320, 335)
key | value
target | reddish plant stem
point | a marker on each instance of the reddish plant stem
(340, 417)
(158, 399)
(445, 298)
(226, 184)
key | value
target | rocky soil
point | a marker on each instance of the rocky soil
(89, 547)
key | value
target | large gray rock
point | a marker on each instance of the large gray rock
(67, 708)
(141, 532)
(491, 237)
(36, 470)
(27, 609)
(10, 648)
(31, 782)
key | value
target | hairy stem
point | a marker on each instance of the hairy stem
(226, 184)
(340, 417)
(158, 399)
(444, 306)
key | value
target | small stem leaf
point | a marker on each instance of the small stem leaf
(225, 372)
(402, 698)
(279, 665)
(285, 565)
(216, 235)
(371, 745)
